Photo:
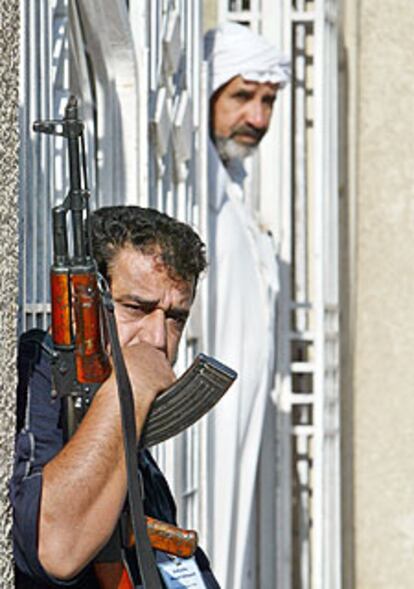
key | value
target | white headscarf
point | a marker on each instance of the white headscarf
(234, 50)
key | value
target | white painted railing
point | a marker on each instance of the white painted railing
(43, 90)
(309, 395)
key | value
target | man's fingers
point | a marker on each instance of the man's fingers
(149, 370)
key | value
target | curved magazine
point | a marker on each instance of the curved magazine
(187, 400)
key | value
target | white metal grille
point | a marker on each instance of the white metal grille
(248, 12)
(309, 384)
(43, 88)
(104, 76)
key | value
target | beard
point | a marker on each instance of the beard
(230, 149)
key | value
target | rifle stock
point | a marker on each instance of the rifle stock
(169, 538)
(164, 537)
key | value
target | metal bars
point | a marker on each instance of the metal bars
(327, 559)
(247, 12)
(43, 88)
(104, 76)
(172, 76)
(310, 396)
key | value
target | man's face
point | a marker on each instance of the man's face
(240, 115)
(150, 306)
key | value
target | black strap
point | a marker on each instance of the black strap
(144, 552)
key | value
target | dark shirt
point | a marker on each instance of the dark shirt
(39, 439)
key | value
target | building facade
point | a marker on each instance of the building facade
(332, 486)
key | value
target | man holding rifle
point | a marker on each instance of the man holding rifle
(68, 499)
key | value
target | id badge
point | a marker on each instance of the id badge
(180, 573)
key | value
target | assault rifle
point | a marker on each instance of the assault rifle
(80, 300)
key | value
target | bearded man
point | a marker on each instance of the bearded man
(246, 76)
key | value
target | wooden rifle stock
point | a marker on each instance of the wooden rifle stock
(169, 538)
(164, 537)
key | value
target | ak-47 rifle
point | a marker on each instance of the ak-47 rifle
(81, 362)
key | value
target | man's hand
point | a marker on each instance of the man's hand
(84, 486)
(150, 374)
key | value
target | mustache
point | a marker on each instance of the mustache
(245, 130)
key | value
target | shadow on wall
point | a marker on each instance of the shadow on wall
(346, 305)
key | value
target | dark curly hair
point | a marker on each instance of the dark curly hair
(150, 232)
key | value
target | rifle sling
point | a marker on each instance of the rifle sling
(144, 553)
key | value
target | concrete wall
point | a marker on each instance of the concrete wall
(9, 170)
(379, 208)
(210, 14)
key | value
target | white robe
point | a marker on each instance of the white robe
(244, 286)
